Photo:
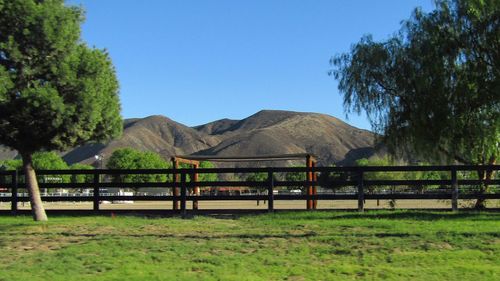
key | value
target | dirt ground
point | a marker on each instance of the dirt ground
(295, 204)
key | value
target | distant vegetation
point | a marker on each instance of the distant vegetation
(387, 161)
(50, 161)
(128, 158)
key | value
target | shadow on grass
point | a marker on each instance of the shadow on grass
(253, 236)
(102, 236)
(417, 215)
(398, 215)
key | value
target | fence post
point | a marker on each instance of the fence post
(315, 187)
(183, 194)
(97, 177)
(309, 179)
(175, 190)
(196, 189)
(454, 192)
(361, 193)
(14, 183)
(270, 193)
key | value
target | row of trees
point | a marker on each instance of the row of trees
(128, 158)
(120, 159)
(50, 161)
(325, 178)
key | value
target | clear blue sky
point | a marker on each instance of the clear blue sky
(199, 61)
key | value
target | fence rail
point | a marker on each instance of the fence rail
(356, 182)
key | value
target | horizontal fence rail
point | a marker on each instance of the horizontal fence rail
(338, 183)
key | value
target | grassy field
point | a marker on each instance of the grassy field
(378, 245)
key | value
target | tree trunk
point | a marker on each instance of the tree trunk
(484, 175)
(37, 209)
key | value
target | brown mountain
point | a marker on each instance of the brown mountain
(266, 132)
(284, 132)
(154, 133)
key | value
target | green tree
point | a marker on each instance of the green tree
(41, 161)
(382, 161)
(432, 89)
(426, 175)
(257, 177)
(81, 178)
(55, 92)
(296, 176)
(11, 164)
(325, 179)
(128, 158)
(261, 177)
(50, 161)
(410, 175)
(205, 176)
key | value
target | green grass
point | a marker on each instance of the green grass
(382, 245)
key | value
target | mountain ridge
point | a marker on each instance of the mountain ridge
(263, 133)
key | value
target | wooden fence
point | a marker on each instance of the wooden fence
(349, 183)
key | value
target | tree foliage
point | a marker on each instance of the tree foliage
(433, 88)
(128, 158)
(205, 176)
(325, 179)
(11, 164)
(49, 161)
(263, 177)
(260, 177)
(410, 175)
(55, 92)
(81, 178)
(296, 176)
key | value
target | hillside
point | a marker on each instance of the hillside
(282, 132)
(266, 132)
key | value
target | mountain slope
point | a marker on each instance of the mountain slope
(264, 133)
(282, 132)
(154, 133)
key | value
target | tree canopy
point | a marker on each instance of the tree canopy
(55, 91)
(432, 89)
(296, 176)
(41, 161)
(11, 164)
(128, 158)
(49, 161)
(81, 178)
(206, 176)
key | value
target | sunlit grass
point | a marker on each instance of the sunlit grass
(382, 245)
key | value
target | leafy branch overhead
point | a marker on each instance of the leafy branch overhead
(433, 88)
